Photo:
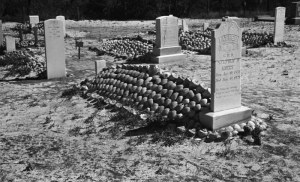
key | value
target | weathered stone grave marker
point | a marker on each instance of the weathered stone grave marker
(55, 49)
(99, 65)
(185, 27)
(1, 34)
(205, 26)
(279, 24)
(167, 49)
(62, 18)
(34, 20)
(225, 78)
(10, 43)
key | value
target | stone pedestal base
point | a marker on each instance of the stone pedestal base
(167, 50)
(216, 120)
(169, 59)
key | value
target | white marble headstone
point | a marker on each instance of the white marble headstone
(62, 18)
(10, 43)
(34, 19)
(279, 24)
(166, 31)
(226, 67)
(55, 49)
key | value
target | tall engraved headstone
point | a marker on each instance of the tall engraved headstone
(55, 49)
(62, 18)
(279, 24)
(1, 34)
(226, 105)
(167, 49)
(10, 43)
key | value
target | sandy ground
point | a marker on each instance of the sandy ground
(47, 137)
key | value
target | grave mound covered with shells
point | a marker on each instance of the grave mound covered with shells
(156, 92)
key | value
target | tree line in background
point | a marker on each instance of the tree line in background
(18, 10)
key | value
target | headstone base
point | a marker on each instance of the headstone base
(167, 50)
(216, 120)
(167, 59)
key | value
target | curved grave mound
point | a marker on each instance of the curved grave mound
(153, 90)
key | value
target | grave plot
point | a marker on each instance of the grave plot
(126, 47)
(22, 64)
(157, 93)
(197, 41)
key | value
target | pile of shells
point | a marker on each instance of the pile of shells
(153, 90)
(125, 48)
(195, 41)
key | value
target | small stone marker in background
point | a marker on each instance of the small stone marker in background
(10, 43)
(34, 19)
(205, 26)
(62, 18)
(185, 27)
(225, 78)
(99, 65)
(55, 49)
(279, 24)
(1, 34)
(167, 49)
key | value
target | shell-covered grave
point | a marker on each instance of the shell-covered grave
(157, 92)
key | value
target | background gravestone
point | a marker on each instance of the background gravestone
(10, 43)
(225, 78)
(1, 34)
(55, 49)
(167, 49)
(205, 26)
(62, 18)
(34, 19)
(185, 27)
(99, 65)
(279, 24)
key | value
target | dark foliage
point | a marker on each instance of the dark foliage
(18, 10)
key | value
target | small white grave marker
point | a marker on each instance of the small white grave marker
(62, 18)
(34, 19)
(10, 43)
(185, 27)
(55, 49)
(99, 65)
(279, 24)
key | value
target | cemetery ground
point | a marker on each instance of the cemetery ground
(49, 132)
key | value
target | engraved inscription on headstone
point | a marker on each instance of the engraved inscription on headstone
(279, 24)
(55, 49)
(10, 43)
(225, 78)
(1, 34)
(167, 31)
